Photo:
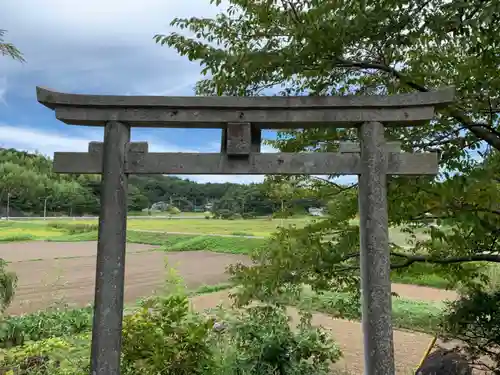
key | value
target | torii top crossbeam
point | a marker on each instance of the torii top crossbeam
(263, 112)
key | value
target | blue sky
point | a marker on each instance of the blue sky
(97, 47)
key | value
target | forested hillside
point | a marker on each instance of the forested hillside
(30, 182)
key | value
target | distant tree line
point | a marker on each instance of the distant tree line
(28, 182)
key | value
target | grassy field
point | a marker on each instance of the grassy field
(15, 231)
(421, 316)
(254, 227)
(180, 214)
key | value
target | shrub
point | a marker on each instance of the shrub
(475, 320)
(53, 356)
(248, 215)
(8, 283)
(75, 228)
(260, 341)
(173, 210)
(166, 339)
(15, 330)
(223, 214)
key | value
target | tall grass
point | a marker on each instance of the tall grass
(408, 314)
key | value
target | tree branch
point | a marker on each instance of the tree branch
(411, 259)
(479, 130)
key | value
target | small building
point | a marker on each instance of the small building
(316, 211)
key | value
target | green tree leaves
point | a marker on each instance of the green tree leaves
(312, 47)
(8, 49)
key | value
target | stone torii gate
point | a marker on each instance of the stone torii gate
(241, 120)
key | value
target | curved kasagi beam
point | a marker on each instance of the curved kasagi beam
(273, 112)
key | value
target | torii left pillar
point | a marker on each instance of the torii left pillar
(111, 246)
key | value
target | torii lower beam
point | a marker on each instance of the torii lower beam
(255, 164)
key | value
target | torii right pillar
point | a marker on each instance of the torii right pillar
(375, 157)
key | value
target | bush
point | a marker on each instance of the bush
(8, 284)
(260, 341)
(166, 338)
(248, 215)
(75, 228)
(223, 214)
(173, 210)
(15, 330)
(475, 320)
(53, 356)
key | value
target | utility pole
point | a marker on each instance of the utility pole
(45, 207)
(8, 205)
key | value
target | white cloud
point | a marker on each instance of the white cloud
(98, 46)
(46, 142)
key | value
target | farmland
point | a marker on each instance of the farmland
(59, 272)
(256, 227)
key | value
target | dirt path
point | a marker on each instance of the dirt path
(424, 293)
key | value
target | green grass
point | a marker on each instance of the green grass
(181, 214)
(254, 227)
(17, 231)
(423, 274)
(179, 242)
(406, 314)
(493, 273)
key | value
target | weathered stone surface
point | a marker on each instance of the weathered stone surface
(141, 147)
(353, 147)
(110, 271)
(374, 248)
(272, 163)
(212, 118)
(53, 99)
(445, 362)
(238, 139)
(264, 112)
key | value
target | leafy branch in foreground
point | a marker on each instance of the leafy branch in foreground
(8, 49)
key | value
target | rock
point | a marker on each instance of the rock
(445, 362)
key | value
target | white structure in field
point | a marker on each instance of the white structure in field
(315, 211)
